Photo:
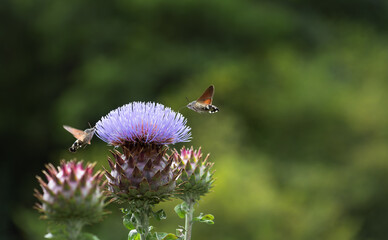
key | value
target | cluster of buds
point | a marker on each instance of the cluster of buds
(142, 174)
(71, 193)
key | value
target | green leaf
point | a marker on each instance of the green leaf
(159, 215)
(133, 235)
(165, 236)
(181, 209)
(180, 232)
(208, 218)
(170, 236)
(159, 235)
(129, 222)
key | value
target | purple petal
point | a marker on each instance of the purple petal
(139, 122)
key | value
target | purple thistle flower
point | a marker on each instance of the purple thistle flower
(144, 123)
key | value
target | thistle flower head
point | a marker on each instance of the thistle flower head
(141, 175)
(196, 178)
(143, 123)
(71, 192)
(142, 172)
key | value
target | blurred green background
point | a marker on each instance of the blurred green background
(300, 144)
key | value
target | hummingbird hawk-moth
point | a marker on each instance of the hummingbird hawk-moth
(204, 102)
(83, 137)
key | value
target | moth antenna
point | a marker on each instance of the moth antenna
(187, 99)
(91, 125)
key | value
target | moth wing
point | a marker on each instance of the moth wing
(89, 135)
(78, 134)
(207, 96)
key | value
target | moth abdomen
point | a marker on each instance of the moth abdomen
(213, 109)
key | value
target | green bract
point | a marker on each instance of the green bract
(141, 174)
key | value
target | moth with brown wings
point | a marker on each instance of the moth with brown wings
(204, 103)
(83, 137)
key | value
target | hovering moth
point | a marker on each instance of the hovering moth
(83, 137)
(204, 103)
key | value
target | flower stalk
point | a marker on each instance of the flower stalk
(189, 218)
(195, 181)
(73, 229)
(142, 227)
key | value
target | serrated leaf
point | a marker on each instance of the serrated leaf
(159, 215)
(208, 218)
(180, 210)
(207, 221)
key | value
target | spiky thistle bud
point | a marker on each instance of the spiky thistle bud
(71, 193)
(196, 178)
(142, 172)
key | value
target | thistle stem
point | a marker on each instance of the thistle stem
(142, 221)
(189, 218)
(73, 229)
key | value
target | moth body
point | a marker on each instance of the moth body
(204, 102)
(83, 137)
(202, 108)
